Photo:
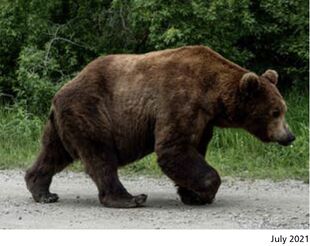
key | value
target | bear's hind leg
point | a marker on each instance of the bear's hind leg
(53, 158)
(86, 128)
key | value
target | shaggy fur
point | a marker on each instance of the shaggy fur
(123, 107)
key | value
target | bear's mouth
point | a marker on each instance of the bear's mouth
(285, 143)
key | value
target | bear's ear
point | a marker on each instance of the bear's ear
(249, 83)
(271, 75)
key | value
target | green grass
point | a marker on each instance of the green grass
(232, 152)
(19, 137)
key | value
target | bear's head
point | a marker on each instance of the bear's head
(264, 108)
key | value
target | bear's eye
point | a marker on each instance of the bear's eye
(276, 114)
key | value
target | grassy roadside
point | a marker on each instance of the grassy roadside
(232, 152)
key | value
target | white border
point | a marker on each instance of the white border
(148, 237)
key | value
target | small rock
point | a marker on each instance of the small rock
(282, 224)
(20, 218)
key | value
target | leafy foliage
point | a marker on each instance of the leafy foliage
(45, 43)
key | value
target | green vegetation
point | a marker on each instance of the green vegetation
(19, 137)
(43, 44)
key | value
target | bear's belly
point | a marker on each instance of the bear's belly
(133, 143)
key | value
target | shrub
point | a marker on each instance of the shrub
(44, 43)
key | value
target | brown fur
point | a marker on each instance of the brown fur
(123, 107)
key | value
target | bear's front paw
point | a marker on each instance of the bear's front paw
(210, 188)
(124, 202)
(204, 193)
(46, 197)
(189, 197)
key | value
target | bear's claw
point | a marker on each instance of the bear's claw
(140, 199)
(127, 202)
(46, 198)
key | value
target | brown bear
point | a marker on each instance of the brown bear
(121, 108)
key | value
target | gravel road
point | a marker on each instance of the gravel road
(239, 204)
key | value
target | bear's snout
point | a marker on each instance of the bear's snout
(288, 140)
(280, 132)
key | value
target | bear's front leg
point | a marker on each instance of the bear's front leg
(177, 131)
(191, 197)
(197, 181)
(101, 165)
(188, 196)
(111, 191)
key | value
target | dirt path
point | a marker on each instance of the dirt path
(239, 204)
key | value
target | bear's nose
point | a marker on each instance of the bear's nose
(290, 137)
(288, 140)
